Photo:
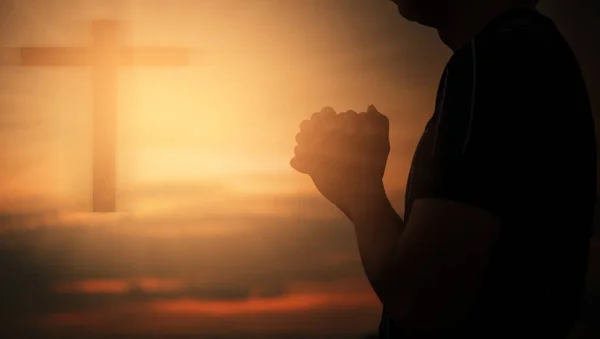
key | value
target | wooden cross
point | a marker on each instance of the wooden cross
(104, 56)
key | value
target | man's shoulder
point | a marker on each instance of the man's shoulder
(520, 24)
(520, 44)
(514, 42)
(526, 34)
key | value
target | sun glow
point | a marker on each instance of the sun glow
(224, 116)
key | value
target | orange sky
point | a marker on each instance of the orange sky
(216, 232)
(257, 70)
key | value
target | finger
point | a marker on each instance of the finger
(337, 153)
(303, 138)
(362, 137)
(376, 133)
(346, 115)
(350, 122)
(372, 109)
(327, 147)
(342, 148)
(315, 124)
(377, 117)
(300, 151)
(362, 123)
(378, 123)
(299, 166)
(299, 137)
(305, 131)
(309, 151)
(335, 147)
(305, 126)
(339, 121)
(303, 159)
(315, 117)
(327, 112)
(328, 118)
(341, 116)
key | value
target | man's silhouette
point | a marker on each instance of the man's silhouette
(501, 192)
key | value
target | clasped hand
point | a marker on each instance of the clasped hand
(345, 153)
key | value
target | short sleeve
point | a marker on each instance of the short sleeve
(489, 131)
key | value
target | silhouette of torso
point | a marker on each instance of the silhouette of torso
(513, 133)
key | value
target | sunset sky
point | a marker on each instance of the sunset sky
(215, 234)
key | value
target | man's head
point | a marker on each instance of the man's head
(434, 13)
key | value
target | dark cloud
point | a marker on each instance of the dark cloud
(265, 255)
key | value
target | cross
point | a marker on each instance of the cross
(104, 56)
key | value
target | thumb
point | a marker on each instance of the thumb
(372, 109)
(377, 121)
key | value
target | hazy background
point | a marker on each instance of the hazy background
(215, 235)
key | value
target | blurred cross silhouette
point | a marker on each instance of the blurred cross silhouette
(104, 56)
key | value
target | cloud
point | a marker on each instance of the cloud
(125, 275)
(115, 286)
(288, 303)
(85, 276)
(300, 309)
(94, 286)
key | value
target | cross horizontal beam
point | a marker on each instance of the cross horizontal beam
(104, 56)
(76, 56)
(55, 56)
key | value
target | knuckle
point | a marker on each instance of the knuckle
(328, 110)
(341, 116)
(304, 124)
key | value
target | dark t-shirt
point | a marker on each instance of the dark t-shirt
(512, 133)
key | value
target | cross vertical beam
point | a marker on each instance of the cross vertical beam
(105, 57)
(104, 116)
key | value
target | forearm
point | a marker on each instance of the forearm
(378, 228)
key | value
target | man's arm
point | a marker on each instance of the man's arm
(436, 270)
(378, 228)
(436, 246)
(428, 275)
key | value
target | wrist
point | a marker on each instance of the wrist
(369, 200)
